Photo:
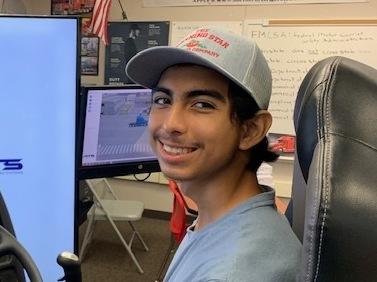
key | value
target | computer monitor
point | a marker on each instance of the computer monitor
(39, 86)
(114, 137)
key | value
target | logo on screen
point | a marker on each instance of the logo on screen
(10, 165)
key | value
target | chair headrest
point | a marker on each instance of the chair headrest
(335, 119)
(338, 96)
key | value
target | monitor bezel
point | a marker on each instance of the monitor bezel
(115, 169)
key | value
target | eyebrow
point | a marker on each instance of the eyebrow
(194, 93)
(161, 89)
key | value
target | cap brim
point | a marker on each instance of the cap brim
(146, 67)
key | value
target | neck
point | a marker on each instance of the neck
(217, 197)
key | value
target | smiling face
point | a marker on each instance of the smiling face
(190, 126)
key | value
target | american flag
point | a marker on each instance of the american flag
(98, 22)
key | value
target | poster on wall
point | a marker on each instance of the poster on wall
(71, 7)
(126, 39)
(89, 49)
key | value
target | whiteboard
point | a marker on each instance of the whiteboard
(291, 50)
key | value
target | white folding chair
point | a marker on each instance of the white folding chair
(112, 210)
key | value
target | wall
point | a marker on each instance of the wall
(136, 12)
(13, 7)
(156, 196)
(39, 7)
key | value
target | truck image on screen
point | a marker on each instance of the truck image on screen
(284, 144)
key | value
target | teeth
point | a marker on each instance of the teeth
(176, 150)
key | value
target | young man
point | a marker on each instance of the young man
(208, 126)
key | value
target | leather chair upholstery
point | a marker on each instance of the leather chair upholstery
(334, 196)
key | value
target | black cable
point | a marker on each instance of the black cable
(124, 15)
(143, 179)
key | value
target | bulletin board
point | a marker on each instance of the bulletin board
(292, 47)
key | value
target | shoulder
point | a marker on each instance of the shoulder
(267, 248)
(269, 231)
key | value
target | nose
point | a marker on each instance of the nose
(175, 120)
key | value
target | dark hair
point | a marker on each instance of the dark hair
(243, 107)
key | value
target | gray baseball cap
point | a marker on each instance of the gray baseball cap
(233, 56)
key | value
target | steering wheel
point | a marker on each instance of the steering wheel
(10, 246)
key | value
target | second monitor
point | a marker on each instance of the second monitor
(114, 137)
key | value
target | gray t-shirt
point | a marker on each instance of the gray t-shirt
(253, 242)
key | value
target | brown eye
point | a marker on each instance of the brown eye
(161, 101)
(203, 105)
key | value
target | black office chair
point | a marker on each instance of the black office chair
(334, 197)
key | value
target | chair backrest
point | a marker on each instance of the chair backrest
(334, 196)
(101, 188)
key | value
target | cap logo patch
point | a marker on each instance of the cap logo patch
(195, 42)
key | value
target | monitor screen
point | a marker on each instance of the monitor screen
(114, 131)
(39, 83)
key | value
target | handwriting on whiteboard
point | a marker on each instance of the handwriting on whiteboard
(292, 50)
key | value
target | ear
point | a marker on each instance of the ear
(255, 129)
